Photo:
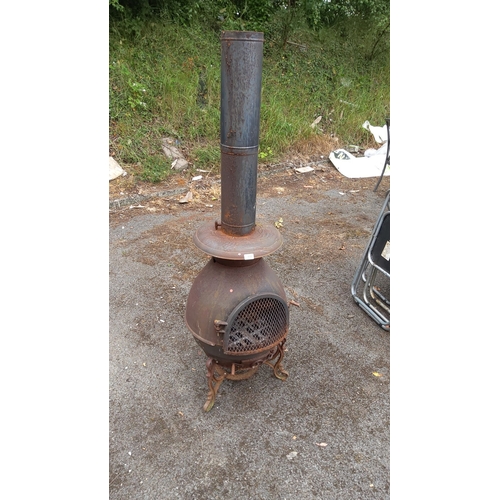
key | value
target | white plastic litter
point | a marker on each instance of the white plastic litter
(379, 133)
(114, 169)
(355, 168)
(369, 165)
(382, 150)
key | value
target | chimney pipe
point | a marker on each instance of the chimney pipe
(237, 236)
(241, 79)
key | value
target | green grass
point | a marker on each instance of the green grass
(164, 81)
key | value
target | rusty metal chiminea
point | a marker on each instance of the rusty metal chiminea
(237, 309)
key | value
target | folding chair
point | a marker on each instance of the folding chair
(388, 153)
(371, 284)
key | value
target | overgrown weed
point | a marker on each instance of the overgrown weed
(164, 81)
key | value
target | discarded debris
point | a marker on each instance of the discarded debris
(172, 153)
(292, 455)
(379, 133)
(197, 178)
(342, 154)
(293, 303)
(322, 444)
(136, 206)
(376, 374)
(115, 170)
(279, 223)
(355, 167)
(304, 170)
(187, 197)
(315, 122)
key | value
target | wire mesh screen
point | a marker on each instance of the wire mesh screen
(259, 324)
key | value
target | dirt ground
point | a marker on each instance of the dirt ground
(273, 180)
(321, 434)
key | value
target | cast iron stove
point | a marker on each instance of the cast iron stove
(237, 309)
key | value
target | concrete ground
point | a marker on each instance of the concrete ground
(324, 433)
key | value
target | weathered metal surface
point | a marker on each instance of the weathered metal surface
(263, 240)
(237, 309)
(218, 372)
(241, 81)
(218, 291)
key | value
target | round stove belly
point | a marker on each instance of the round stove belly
(237, 312)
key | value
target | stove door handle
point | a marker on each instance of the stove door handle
(219, 326)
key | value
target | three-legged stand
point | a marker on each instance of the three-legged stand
(217, 373)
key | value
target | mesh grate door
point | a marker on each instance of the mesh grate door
(256, 324)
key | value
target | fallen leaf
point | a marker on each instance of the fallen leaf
(294, 303)
(315, 122)
(187, 197)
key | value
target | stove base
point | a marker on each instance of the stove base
(218, 371)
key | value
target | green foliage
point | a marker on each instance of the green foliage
(164, 75)
(116, 5)
(266, 153)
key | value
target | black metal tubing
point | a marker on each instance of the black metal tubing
(388, 154)
(241, 81)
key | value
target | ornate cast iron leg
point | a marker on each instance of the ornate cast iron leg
(216, 374)
(277, 367)
(214, 383)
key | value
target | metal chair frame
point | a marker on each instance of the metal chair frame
(373, 267)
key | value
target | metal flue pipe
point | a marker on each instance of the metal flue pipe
(241, 79)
